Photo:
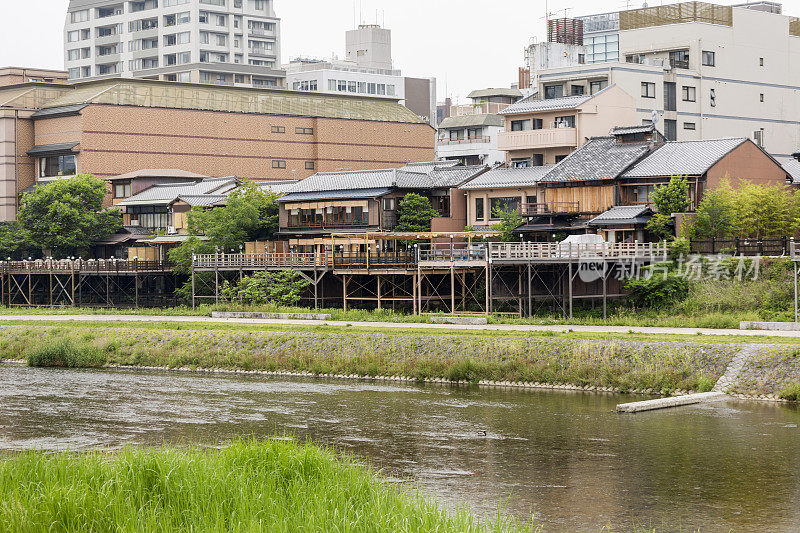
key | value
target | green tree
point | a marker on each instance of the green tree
(15, 242)
(510, 220)
(251, 213)
(716, 216)
(283, 288)
(415, 214)
(667, 199)
(66, 216)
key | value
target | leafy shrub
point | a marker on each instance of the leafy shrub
(283, 288)
(658, 291)
(679, 248)
(63, 353)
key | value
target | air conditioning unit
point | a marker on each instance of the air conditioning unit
(171, 230)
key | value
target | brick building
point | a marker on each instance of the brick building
(115, 126)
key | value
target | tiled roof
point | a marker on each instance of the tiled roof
(630, 130)
(601, 158)
(486, 93)
(501, 178)
(693, 158)
(792, 167)
(278, 187)
(469, 121)
(533, 104)
(627, 214)
(202, 200)
(164, 194)
(412, 176)
(333, 195)
(159, 173)
(160, 94)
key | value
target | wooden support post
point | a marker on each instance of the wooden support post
(72, 276)
(488, 276)
(344, 292)
(316, 290)
(605, 290)
(193, 290)
(570, 290)
(489, 289)
(452, 288)
(530, 290)
(378, 280)
(30, 290)
(414, 292)
(50, 276)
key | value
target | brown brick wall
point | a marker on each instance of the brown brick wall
(119, 139)
(746, 163)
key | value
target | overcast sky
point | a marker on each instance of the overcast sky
(465, 44)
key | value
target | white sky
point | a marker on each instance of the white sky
(465, 44)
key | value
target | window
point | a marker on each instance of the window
(648, 89)
(538, 123)
(170, 3)
(150, 217)
(597, 86)
(577, 90)
(183, 18)
(564, 122)
(122, 190)
(73, 55)
(671, 130)
(709, 59)
(381, 89)
(79, 16)
(581, 59)
(74, 73)
(103, 12)
(213, 2)
(362, 87)
(643, 194)
(222, 20)
(689, 126)
(341, 86)
(260, 5)
(184, 76)
(304, 131)
(689, 94)
(389, 204)
(670, 96)
(635, 58)
(553, 91)
(520, 163)
(761, 61)
(479, 214)
(456, 135)
(237, 4)
(73, 36)
(679, 59)
(57, 165)
(331, 85)
(520, 125)
(503, 204)
(203, 18)
(372, 88)
(390, 90)
(222, 39)
(204, 37)
(761, 97)
(758, 137)
(351, 86)
(310, 165)
(713, 98)
(560, 158)
(279, 163)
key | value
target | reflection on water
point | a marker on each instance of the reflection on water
(567, 457)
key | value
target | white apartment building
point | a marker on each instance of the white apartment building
(707, 71)
(470, 139)
(225, 42)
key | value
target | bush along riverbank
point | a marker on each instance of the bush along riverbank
(653, 367)
(248, 486)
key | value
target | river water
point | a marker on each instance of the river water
(565, 457)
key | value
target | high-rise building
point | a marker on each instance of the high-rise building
(224, 42)
(701, 70)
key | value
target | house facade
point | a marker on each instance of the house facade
(470, 140)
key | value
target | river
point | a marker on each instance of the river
(564, 456)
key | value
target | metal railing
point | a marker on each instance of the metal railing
(221, 261)
(470, 140)
(551, 208)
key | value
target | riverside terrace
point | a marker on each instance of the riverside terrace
(460, 276)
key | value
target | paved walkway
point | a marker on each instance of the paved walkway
(402, 325)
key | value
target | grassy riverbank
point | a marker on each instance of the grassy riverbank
(623, 365)
(248, 486)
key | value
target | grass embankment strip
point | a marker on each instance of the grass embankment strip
(771, 371)
(624, 365)
(743, 338)
(247, 486)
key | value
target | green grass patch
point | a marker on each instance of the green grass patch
(65, 352)
(791, 393)
(247, 486)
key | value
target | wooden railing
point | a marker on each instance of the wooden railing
(221, 261)
(452, 253)
(85, 266)
(532, 251)
(373, 261)
(552, 208)
(781, 246)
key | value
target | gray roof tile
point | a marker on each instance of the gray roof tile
(164, 194)
(601, 158)
(533, 105)
(333, 195)
(508, 177)
(468, 121)
(693, 158)
(792, 167)
(626, 214)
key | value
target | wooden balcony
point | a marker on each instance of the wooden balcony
(537, 139)
(552, 208)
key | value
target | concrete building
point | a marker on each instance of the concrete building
(367, 70)
(543, 132)
(18, 76)
(548, 55)
(486, 102)
(224, 42)
(470, 140)
(116, 126)
(706, 70)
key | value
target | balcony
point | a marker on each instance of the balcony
(552, 208)
(261, 32)
(327, 224)
(537, 139)
(472, 140)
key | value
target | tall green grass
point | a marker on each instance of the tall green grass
(63, 352)
(247, 486)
